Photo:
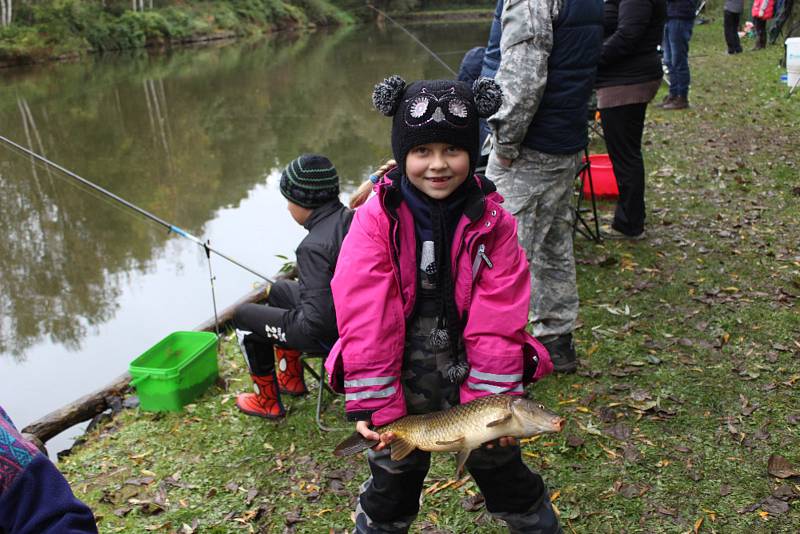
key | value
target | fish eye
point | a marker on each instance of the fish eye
(541, 406)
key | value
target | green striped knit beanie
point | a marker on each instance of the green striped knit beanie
(310, 181)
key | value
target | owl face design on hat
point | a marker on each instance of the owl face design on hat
(436, 111)
(446, 106)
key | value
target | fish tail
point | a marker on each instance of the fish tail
(353, 444)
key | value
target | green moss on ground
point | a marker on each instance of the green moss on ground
(690, 343)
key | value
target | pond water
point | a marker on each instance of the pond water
(198, 137)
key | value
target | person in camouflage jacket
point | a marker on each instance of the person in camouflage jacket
(549, 51)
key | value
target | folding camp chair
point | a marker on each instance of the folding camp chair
(584, 176)
(580, 224)
(784, 14)
(322, 384)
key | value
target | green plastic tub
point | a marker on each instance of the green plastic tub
(176, 370)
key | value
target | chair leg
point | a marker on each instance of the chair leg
(322, 385)
(321, 390)
(580, 225)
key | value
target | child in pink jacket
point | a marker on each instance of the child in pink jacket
(761, 12)
(431, 292)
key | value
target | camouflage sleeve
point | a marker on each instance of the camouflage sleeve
(525, 45)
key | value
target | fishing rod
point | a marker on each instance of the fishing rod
(431, 52)
(171, 227)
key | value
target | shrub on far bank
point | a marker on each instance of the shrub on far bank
(73, 27)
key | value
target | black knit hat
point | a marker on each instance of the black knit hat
(310, 181)
(436, 111)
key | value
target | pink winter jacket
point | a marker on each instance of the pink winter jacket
(768, 7)
(374, 288)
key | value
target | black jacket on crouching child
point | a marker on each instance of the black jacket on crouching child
(314, 318)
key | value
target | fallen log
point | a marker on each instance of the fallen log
(90, 405)
(77, 411)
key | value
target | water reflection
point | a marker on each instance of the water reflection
(187, 136)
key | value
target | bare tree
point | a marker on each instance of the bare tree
(6, 12)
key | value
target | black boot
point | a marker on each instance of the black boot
(540, 519)
(562, 354)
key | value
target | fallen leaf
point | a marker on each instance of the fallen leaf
(778, 466)
(620, 431)
(122, 512)
(724, 490)
(786, 493)
(775, 506)
(667, 511)
(473, 503)
(630, 491)
(141, 481)
(574, 441)
(293, 517)
(631, 454)
(695, 475)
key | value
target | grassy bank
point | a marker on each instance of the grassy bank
(68, 28)
(690, 344)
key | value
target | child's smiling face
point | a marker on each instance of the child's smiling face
(437, 169)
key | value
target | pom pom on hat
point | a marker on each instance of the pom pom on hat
(488, 96)
(387, 94)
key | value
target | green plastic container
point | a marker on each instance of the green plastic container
(176, 370)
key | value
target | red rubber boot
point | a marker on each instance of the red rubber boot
(265, 402)
(290, 372)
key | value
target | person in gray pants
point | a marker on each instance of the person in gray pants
(549, 51)
(732, 13)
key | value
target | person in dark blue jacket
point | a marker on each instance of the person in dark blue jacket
(677, 34)
(549, 52)
(35, 498)
(471, 65)
(491, 62)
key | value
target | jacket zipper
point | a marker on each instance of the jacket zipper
(480, 256)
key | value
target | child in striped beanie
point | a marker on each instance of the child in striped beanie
(298, 315)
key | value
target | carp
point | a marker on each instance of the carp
(462, 428)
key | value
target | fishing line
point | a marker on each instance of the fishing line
(431, 52)
(170, 227)
(89, 192)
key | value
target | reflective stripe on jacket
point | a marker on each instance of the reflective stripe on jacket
(374, 290)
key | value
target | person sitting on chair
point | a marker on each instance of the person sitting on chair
(299, 315)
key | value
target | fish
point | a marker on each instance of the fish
(462, 428)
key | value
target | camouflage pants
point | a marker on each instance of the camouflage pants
(389, 500)
(538, 190)
(426, 387)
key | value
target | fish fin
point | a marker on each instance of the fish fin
(450, 442)
(353, 444)
(461, 459)
(500, 421)
(401, 448)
